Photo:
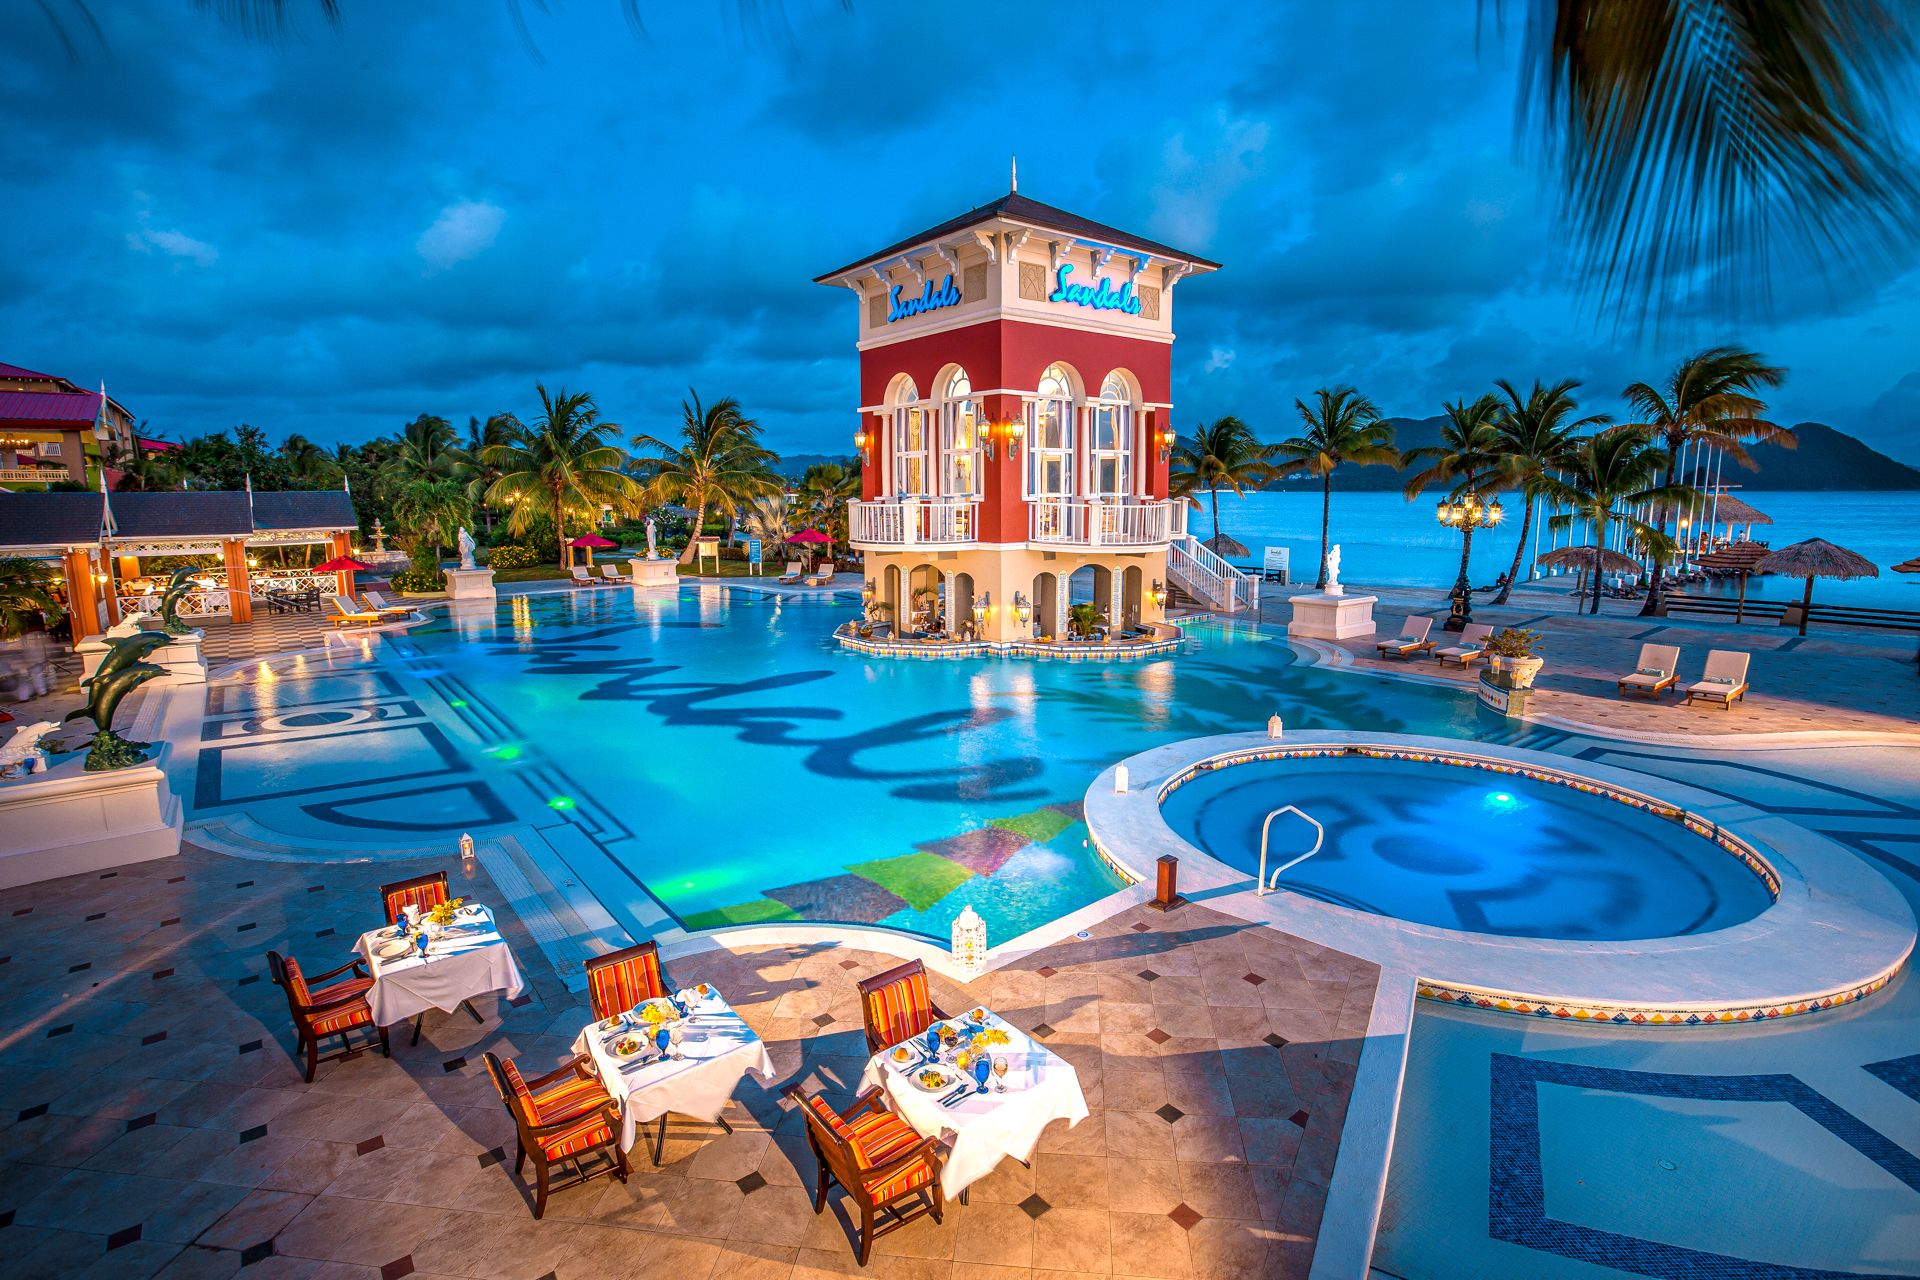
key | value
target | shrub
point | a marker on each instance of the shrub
(1513, 642)
(420, 580)
(512, 556)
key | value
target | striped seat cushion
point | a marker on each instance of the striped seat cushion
(338, 1019)
(591, 1130)
(880, 1137)
(617, 987)
(900, 1009)
(424, 896)
(831, 1119)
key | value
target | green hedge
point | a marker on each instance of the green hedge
(511, 556)
(420, 580)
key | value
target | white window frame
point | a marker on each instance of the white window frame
(961, 439)
(910, 463)
(1051, 405)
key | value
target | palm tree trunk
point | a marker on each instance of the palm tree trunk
(693, 538)
(1214, 491)
(1326, 524)
(1519, 553)
(1597, 550)
(560, 530)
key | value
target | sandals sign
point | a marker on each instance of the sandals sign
(930, 299)
(1104, 297)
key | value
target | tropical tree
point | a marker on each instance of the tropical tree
(719, 464)
(770, 519)
(824, 491)
(473, 468)
(143, 472)
(306, 461)
(1466, 462)
(1708, 401)
(1536, 430)
(1341, 426)
(1603, 480)
(427, 449)
(559, 462)
(1222, 454)
(430, 512)
(26, 589)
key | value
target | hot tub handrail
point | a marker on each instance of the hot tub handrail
(1263, 885)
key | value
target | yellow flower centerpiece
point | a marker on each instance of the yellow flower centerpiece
(443, 913)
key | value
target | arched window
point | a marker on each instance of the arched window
(1110, 447)
(1050, 435)
(912, 443)
(960, 437)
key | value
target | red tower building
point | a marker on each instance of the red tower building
(1015, 388)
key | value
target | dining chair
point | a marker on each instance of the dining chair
(562, 1116)
(879, 1159)
(320, 1013)
(897, 1005)
(425, 892)
(621, 979)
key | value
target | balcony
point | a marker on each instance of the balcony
(913, 522)
(35, 475)
(1082, 522)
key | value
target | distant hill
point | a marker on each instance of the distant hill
(795, 465)
(1826, 459)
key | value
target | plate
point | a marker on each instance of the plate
(946, 1079)
(626, 1046)
(392, 949)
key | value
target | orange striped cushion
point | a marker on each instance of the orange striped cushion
(520, 1090)
(296, 980)
(353, 1017)
(900, 1009)
(591, 1131)
(879, 1136)
(568, 1097)
(620, 986)
(424, 896)
(917, 1175)
(831, 1118)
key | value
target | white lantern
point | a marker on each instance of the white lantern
(1274, 726)
(1119, 779)
(466, 850)
(970, 943)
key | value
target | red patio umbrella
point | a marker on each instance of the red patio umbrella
(346, 567)
(590, 541)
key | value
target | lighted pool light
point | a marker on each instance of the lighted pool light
(458, 702)
(561, 802)
(1501, 800)
(505, 751)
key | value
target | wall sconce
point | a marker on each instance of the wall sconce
(1166, 443)
(253, 561)
(867, 592)
(983, 606)
(860, 442)
(1022, 607)
(1159, 594)
(1010, 433)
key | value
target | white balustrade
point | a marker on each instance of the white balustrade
(909, 522)
(1207, 577)
(195, 604)
(1095, 523)
(325, 583)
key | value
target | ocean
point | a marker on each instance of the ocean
(1387, 541)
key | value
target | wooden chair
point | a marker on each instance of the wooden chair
(425, 892)
(897, 1005)
(563, 1115)
(621, 979)
(320, 1013)
(877, 1157)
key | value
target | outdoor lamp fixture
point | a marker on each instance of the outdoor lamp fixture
(1005, 431)
(983, 606)
(1159, 594)
(860, 441)
(1166, 443)
(1022, 607)
(1466, 514)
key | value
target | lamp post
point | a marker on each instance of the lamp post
(1467, 513)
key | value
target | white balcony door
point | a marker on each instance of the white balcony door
(960, 439)
(1110, 460)
(1050, 437)
(912, 451)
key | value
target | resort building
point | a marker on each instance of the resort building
(1015, 430)
(52, 430)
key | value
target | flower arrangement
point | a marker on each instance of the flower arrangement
(1513, 642)
(443, 913)
(657, 1013)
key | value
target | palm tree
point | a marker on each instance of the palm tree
(560, 461)
(143, 472)
(825, 489)
(1467, 461)
(307, 462)
(719, 464)
(26, 589)
(1603, 479)
(1341, 426)
(426, 449)
(474, 470)
(429, 511)
(770, 519)
(1535, 430)
(1708, 400)
(1221, 454)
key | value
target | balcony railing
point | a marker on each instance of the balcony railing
(35, 475)
(913, 522)
(1093, 523)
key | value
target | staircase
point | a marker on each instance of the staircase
(1193, 570)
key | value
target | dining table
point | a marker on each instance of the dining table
(463, 959)
(715, 1052)
(980, 1125)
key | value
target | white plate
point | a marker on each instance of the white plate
(392, 949)
(948, 1079)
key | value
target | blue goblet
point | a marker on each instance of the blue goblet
(660, 1039)
(981, 1066)
(933, 1041)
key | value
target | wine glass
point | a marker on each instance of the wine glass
(1000, 1073)
(674, 1038)
(660, 1039)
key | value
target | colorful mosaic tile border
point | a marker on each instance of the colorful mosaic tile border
(1124, 651)
(1623, 1015)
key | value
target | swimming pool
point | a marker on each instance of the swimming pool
(1463, 848)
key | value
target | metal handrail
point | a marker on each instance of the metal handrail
(1263, 884)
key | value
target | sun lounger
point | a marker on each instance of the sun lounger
(1411, 640)
(582, 578)
(1657, 669)
(822, 576)
(795, 572)
(1725, 679)
(346, 614)
(1471, 648)
(378, 603)
(611, 573)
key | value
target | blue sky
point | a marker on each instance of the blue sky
(422, 213)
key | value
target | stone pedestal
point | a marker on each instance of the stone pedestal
(180, 657)
(653, 573)
(66, 821)
(470, 584)
(1498, 694)
(1332, 617)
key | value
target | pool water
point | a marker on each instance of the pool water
(1464, 849)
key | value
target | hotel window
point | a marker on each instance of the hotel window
(1111, 428)
(960, 425)
(912, 445)
(1050, 436)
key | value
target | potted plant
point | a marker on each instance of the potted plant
(1083, 618)
(878, 613)
(1510, 655)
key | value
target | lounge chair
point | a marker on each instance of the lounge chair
(1411, 640)
(795, 571)
(347, 614)
(1471, 648)
(1656, 671)
(378, 603)
(1725, 679)
(822, 575)
(611, 573)
(581, 578)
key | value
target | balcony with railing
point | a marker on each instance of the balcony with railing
(1085, 522)
(913, 522)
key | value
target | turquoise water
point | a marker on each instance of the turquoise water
(1462, 849)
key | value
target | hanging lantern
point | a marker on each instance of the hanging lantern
(1022, 607)
(970, 943)
(982, 605)
(466, 851)
(1495, 512)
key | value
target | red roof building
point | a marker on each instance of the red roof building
(52, 429)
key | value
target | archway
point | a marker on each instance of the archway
(923, 599)
(959, 602)
(1046, 604)
(1132, 583)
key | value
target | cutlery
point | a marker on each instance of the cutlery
(952, 1094)
(958, 1096)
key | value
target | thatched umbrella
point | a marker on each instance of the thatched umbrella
(1740, 558)
(1225, 547)
(1908, 566)
(1593, 560)
(1816, 558)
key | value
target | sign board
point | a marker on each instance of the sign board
(753, 553)
(1101, 297)
(705, 547)
(928, 299)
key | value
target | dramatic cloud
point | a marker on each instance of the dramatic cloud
(460, 232)
(176, 243)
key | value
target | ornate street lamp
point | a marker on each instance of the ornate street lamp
(1467, 513)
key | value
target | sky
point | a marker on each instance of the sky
(438, 204)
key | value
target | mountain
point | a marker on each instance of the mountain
(795, 465)
(1825, 459)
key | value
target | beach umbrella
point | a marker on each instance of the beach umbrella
(1816, 558)
(346, 567)
(1908, 566)
(810, 535)
(1225, 547)
(1740, 558)
(1594, 560)
(590, 541)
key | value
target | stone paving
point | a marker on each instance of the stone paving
(152, 1121)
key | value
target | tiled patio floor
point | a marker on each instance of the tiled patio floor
(152, 1122)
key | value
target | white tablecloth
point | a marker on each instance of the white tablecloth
(984, 1128)
(718, 1049)
(466, 960)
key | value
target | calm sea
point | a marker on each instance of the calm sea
(1388, 541)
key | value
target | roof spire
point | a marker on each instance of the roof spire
(1016, 176)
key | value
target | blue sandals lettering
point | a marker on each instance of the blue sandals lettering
(930, 299)
(1103, 298)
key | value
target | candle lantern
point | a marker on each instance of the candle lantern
(970, 943)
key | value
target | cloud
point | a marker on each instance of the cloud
(177, 243)
(1218, 359)
(463, 230)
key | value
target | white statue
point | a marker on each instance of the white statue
(652, 552)
(127, 626)
(1333, 571)
(22, 753)
(466, 550)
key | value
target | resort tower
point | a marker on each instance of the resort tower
(1015, 421)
